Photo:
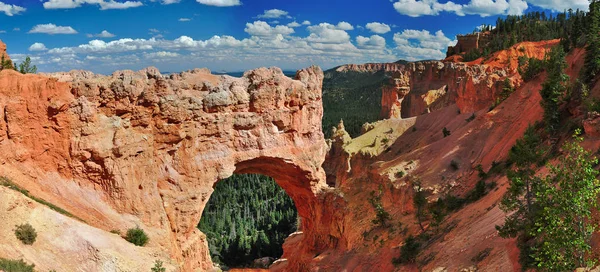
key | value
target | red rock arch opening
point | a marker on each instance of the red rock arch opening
(263, 226)
(293, 180)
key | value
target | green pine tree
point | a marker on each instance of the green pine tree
(26, 68)
(592, 57)
(519, 202)
(554, 88)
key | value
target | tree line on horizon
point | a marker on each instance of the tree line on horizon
(569, 26)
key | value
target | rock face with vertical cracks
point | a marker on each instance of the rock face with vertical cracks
(140, 148)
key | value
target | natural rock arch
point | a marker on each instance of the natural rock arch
(153, 146)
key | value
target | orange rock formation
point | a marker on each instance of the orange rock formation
(426, 86)
(421, 87)
(3, 51)
(152, 147)
(469, 42)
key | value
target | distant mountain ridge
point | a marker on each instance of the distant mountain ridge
(289, 73)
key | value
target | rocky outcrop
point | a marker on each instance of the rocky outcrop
(371, 67)
(147, 149)
(469, 42)
(393, 95)
(432, 85)
(3, 53)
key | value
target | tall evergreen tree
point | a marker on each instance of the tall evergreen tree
(519, 202)
(592, 57)
(5, 63)
(554, 88)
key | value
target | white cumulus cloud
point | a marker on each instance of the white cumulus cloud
(11, 10)
(103, 34)
(561, 5)
(374, 41)
(104, 5)
(421, 44)
(220, 3)
(38, 47)
(327, 33)
(120, 5)
(483, 8)
(161, 55)
(378, 28)
(263, 29)
(345, 26)
(52, 29)
(274, 14)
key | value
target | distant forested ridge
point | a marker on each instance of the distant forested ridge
(354, 97)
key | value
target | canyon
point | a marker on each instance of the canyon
(145, 149)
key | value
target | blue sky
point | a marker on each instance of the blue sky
(235, 35)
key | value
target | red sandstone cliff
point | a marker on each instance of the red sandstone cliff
(426, 86)
(422, 87)
(415, 146)
(469, 42)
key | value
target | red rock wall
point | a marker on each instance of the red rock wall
(139, 148)
(426, 86)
